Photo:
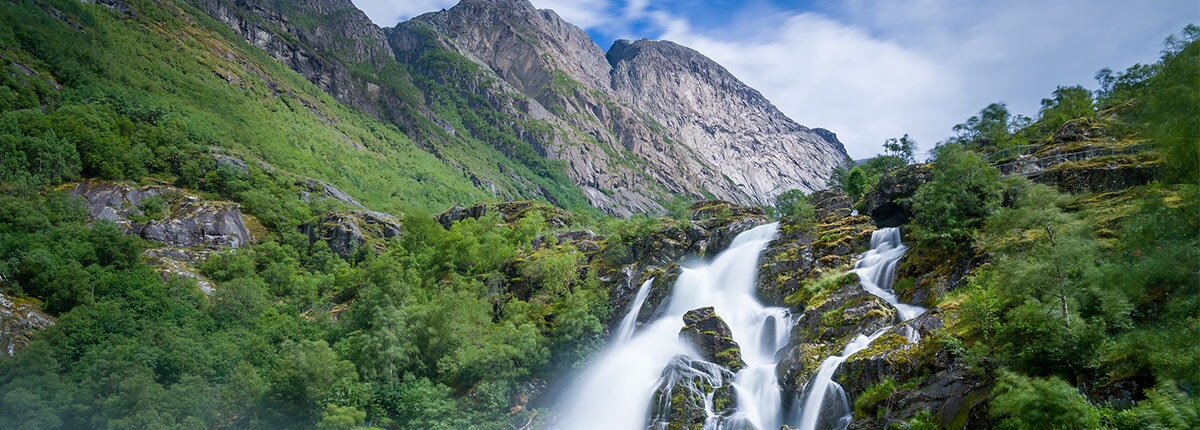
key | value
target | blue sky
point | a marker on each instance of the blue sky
(873, 69)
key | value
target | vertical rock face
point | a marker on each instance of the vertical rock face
(317, 38)
(727, 124)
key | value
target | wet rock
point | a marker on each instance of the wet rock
(712, 338)
(20, 320)
(803, 254)
(832, 319)
(925, 274)
(345, 231)
(626, 265)
(885, 202)
(682, 399)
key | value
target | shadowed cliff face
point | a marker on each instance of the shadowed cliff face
(630, 128)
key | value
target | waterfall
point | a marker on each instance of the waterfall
(616, 391)
(627, 324)
(876, 271)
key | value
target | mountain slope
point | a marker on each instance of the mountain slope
(504, 75)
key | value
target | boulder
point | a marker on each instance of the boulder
(345, 231)
(831, 203)
(187, 222)
(20, 319)
(803, 253)
(325, 190)
(831, 320)
(688, 390)
(197, 223)
(710, 335)
(510, 212)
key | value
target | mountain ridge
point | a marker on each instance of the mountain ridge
(623, 156)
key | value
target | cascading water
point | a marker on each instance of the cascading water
(876, 270)
(617, 389)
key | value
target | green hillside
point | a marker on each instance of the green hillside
(148, 92)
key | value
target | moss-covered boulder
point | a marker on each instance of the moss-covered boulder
(908, 370)
(509, 212)
(803, 253)
(830, 321)
(925, 274)
(712, 338)
(346, 231)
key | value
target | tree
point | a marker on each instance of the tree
(991, 129)
(963, 191)
(1034, 403)
(1172, 105)
(902, 148)
(1066, 104)
(794, 204)
(857, 183)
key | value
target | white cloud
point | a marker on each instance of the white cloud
(824, 74)
(386, 13)
(582, 13)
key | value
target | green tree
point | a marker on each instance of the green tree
(902, 148)
(1172, 105)
(857, 183)
(795, 204)
(991, 129)
(963, 191)
(1035, 403)
(1067, 103)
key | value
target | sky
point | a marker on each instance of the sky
(870, 70)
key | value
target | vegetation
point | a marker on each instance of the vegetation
(1080, 292)
(856, 179)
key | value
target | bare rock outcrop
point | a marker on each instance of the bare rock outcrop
(19, 321)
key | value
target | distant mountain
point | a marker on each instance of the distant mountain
(631, 128)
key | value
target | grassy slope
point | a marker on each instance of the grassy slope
(185, 68)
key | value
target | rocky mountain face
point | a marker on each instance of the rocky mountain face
(631, 128)
(320, 39)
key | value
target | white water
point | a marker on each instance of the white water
(627, 324)
(617, 389)
(876, 271)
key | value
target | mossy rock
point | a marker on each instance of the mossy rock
(705, 330)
